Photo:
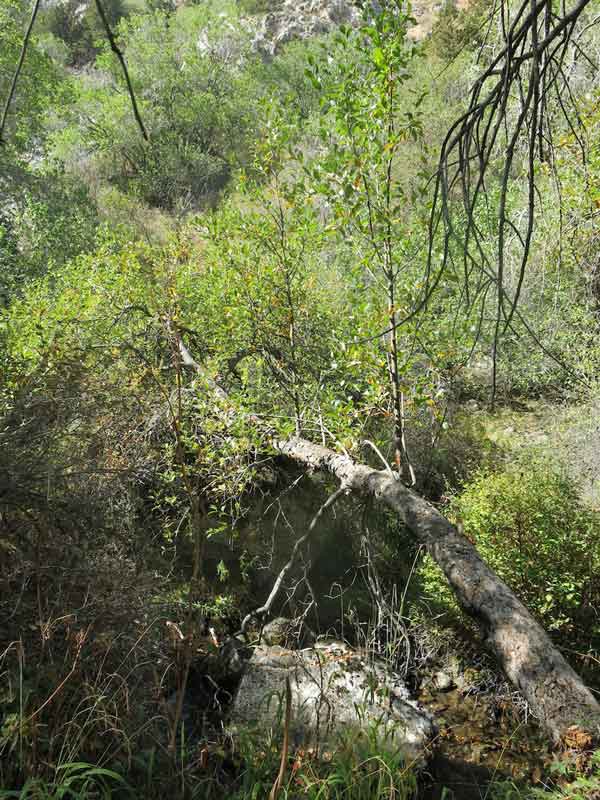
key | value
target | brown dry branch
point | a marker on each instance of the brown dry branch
(81, 639)
(286, 741)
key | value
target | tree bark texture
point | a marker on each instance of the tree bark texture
(564, 706)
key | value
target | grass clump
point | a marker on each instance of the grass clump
(365, 764)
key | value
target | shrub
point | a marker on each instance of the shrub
(456, 30)
(46, 220)
(191, 72)
(530, 526)
(80, 27)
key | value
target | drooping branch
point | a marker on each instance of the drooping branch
(507, 114)
(113, 46)
(13, 84)
(117, 51)
(555, 693)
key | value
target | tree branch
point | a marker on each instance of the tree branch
(266, 607)
(555, 693)
(116, 50)
(19, 66)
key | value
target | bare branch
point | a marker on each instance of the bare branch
(265, 609)
(19, 66)
(117, 51)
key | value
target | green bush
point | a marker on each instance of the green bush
(456, 30)
(80, 27)
(192, 75)
(530, 526)
(48, 219)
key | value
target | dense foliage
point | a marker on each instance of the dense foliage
(530, 525)
(254, 269)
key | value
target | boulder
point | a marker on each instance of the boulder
(284, 632)
(333, 687)
(443, 681)
(302, 19)
(277, 631)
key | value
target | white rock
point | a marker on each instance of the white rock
(300, 19)
(443, 681)
(333, 686)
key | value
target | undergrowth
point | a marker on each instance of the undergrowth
(364, 764)
(569, 778)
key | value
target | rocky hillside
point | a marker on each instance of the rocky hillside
(293, 19)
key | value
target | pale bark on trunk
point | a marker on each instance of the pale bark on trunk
(558, 698)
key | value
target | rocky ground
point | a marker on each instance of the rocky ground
(459, 719)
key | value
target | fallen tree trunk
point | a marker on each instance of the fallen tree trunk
(564, 706)
(557, 696)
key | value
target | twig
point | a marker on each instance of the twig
(264, 609)
(286, 740)
(82, 639)
(385, 463)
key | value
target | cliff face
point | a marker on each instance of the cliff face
(293, 19)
